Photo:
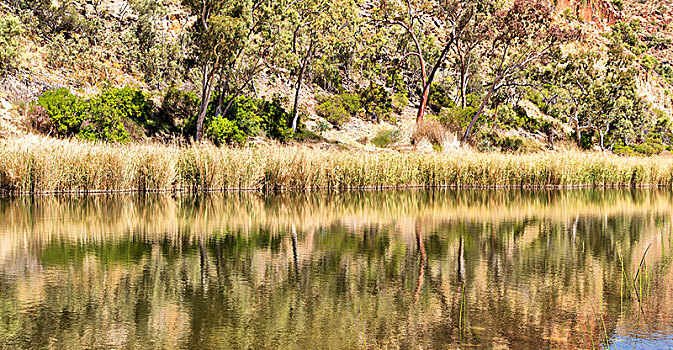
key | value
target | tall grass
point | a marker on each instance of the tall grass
(47, 165)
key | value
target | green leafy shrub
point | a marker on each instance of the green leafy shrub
(178, 112)
(491, 141)
(622, 150)
(334, 112)
(377, 102)
(225, 131)
(649, 148)
(249, 117)
(439, 98)
(10, 32)
(456, 118)
(338, 109)
(101, 117)
(385, 138)
(517, 118)
(66, 111)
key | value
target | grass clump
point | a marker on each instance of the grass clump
(385, 138)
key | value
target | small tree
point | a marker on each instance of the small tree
(518, 36)
(10, 31)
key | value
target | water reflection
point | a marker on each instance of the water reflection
(409, 269)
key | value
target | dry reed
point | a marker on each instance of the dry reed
(33, 165)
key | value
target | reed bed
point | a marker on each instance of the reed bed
(41, 165)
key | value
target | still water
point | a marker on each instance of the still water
(410, 269)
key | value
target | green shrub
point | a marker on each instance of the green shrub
(10, 32)
(250, 117)
(622, 150)
(649, 148)
(385, 138)
(511, 144)
(65, 110)
(178, 112)
(456, 118)
(334, 112)
(377, 102)
(101, 117)
(225, 131)
(338, 109)
(439, 98)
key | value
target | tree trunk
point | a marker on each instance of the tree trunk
(578, 132)
(463, 85)
(480, 111)
(295, 108)
(428, 83)
(205, 99)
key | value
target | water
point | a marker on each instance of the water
(410, 269)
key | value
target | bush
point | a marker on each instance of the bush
(250, 117)
(101, 117)
(10, 32)
(622, 150)
(649, 148)
(431, 130)
(178, 112)
(491, 141)
(377, 102)
(338, 109)
(225, 131)
(439, 98)
(385, 138)
(334, 112)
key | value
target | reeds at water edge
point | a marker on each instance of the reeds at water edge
(40, 165)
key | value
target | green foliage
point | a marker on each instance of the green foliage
(622, 150)
(649, 63)
(248, 117)
(338, 109)
(101, 117)
(334, 112)
(457, 118)
(619, 4)
(491, 141)
(385, 138)
(649, 148)
(225, 131)
(177, 113)
(517, 118)
(439, 98)
(377, 102)
(10, 32)
(627, 33)
(666, 71)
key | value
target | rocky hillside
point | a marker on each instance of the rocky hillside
(84, 63)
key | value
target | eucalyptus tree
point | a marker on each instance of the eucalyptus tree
(518, 35)
(568, 80)
(229, 41)
(612, 106)
(305, 31)
(427, 30)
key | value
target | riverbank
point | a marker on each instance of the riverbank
(44, 165)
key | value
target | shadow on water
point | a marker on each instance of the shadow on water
(398, 269)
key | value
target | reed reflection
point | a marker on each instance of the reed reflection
(408, 269)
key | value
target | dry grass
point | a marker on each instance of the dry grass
(46, 165)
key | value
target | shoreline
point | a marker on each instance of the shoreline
(31, 166)
(328, 190)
